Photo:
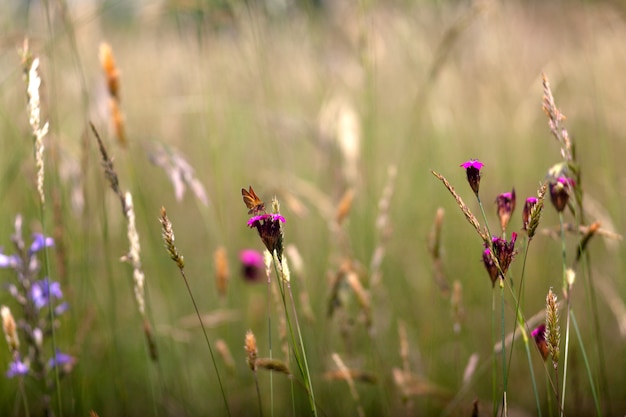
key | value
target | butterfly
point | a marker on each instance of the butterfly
(252, 201)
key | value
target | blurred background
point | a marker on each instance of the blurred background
(314, 102)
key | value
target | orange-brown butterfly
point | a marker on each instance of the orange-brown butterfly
(252, 201)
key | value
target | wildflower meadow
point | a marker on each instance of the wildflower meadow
(312, 208)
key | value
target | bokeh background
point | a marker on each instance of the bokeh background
(305, 101)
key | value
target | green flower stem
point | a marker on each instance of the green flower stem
(566, 291)
(494, 390)
(522, 326)
(300, 360)
(269, 333)
(503, 352)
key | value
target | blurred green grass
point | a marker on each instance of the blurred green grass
(243, 104)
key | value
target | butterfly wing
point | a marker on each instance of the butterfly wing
(252, 201)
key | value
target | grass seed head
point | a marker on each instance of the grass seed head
(251, 350)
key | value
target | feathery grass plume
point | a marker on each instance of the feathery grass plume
(470, 368)
(456, 301)
(412, 385)
(555, 120)
(270, 364)
(10, 329)
(118, 120)
(349, 142)
(112, 74)
(33, 83)
(109, 171)
(552, 332)
(167, 234)
(179, 171)
(133, 257)
(224, 352)
(434, 248)
(222, 273)
(383, 226)
(345, 373)
(251, 350)
(570, 277)
(285, 272)
(355, 374)
(466, 211)
(268, 258)
(362, 296)
(110, 70)
(344, 207)
(93, 414)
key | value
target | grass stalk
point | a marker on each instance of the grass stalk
(594, 392)
(530, 367)
(494, 365)
(301, 361)
(566, 291)
(504, 374)
(269, 336)
(168, 238)
(522, 326)
(51, 318)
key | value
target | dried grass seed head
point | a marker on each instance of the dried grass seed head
(552, 332)
(222, 272)
(169, 240)
(251, 349)
(10, 329)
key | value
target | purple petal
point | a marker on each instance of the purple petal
(17, 367)
(8, 261)
(254, 219)
(60, 359)
(40, 242)
(472, 163)
(61, 308)
(277, 216)
(55, 289)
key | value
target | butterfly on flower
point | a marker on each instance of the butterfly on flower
(252, 201)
